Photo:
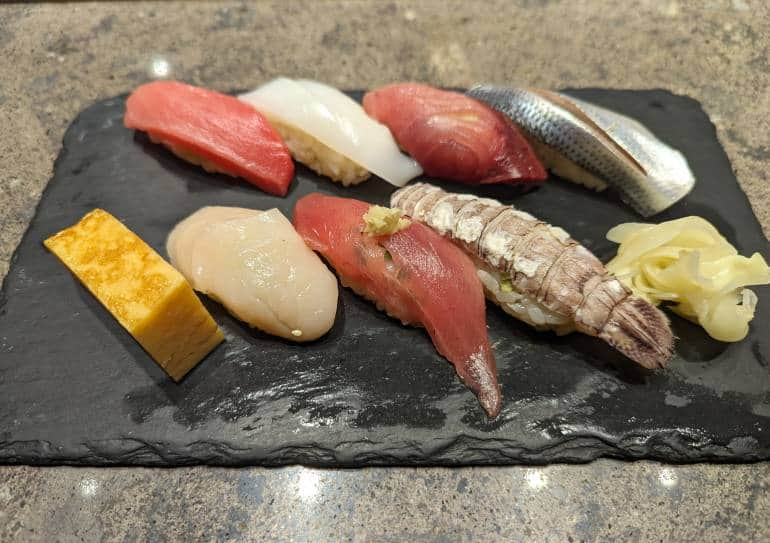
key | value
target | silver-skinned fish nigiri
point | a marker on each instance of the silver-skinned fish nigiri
(540, 275)
(594, 146)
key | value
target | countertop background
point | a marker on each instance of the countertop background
(59, 58)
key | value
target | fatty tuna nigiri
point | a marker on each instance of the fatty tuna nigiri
(330, 133)
(256, 265)
(453, 136)
(216, 131)
(415, 275)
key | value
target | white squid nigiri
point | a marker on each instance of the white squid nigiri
(331, 133)
(256, 265)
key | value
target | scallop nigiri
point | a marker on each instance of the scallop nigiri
(412, 273)
(215, 131)
(330, 133)
(453, 136)
(258, 267)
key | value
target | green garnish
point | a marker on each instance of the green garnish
(388, 257)
(506, 285)
(380, 221)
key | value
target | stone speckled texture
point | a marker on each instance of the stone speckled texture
(59, 58)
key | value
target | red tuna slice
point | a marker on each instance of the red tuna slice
(416, 276)
(217, 131)
(453, 136)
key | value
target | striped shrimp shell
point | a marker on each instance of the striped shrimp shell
(556, 282)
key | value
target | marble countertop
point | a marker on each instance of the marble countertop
(59, 58)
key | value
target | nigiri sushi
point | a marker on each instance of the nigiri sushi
(540, 275)
(412, 273)
(258, 267)
(216, 131)
(330, 133)
(453, 136)
(595, 147)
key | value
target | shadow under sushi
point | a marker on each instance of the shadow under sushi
(693, 344)
(197, 180)
(173, 391)
(255, 336)
(574, 348)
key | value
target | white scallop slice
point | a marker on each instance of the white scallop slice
(337, 121)
(181, 240)
(257, 266)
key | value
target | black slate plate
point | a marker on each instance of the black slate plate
(75, 388)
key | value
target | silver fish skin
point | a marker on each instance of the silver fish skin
(595, 146)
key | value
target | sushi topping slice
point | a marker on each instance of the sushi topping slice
(595, 147)
(380, 221)
(453, 136)
(254, 263)
(414, 275)
(330, 133)
(216, 131)
(539, 274)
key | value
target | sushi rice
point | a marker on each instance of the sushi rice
(518, 305)
(320, 157)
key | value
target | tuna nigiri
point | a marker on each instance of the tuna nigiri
(414, 274)
(256, 265)
(216, 131)
(453, 136)
(330, 133)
